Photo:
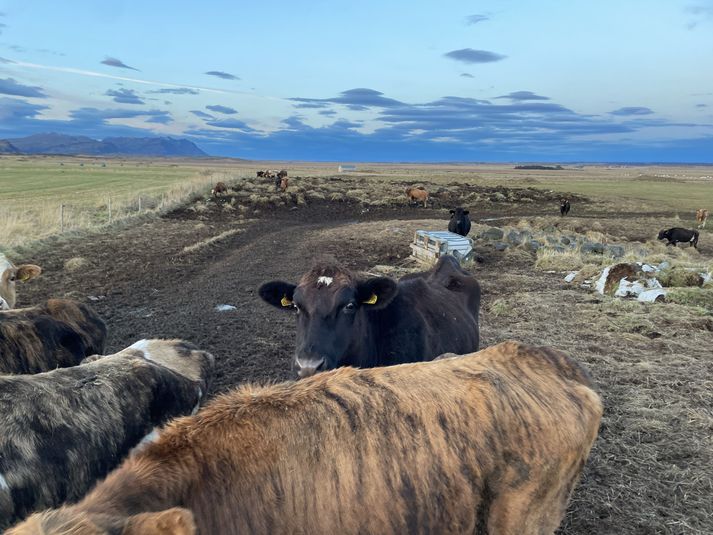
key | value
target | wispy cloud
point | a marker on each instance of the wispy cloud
(701, 105)
(699, 13)
(469, 55)
(124, 96)
(113, 62)
(523, 95)
(230, 123)
(632, 110)
(223, 75)
(358, 99)
(466, 75)
(2, 27)
(9, 86)
(475, 19)
(221, 109)
(177, 91)
(202, 114)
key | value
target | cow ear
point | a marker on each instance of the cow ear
(279, 294)
(26, 272)
(466, 212)
(377, 292)
(176, 521)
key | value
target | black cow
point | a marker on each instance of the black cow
(564, 207)
(346, 320)
(460, 222)
(677, 234)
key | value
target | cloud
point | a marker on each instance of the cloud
(475, 19)
(466, 75)
(177, 91)
(632, 110)
(230, 123)
(9, 86)
(523, 95)
(328, 113)
(113, 62)
(701, 105)
(124, 96)
(223, 75)
(358, 99)
(202, 114)
(468, 55)
(222, 109)
(95, 115)
(14, 109)
(2, 26)
(699, 13)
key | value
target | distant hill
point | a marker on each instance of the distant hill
(541, 167)
(111, 146)
(7, 148)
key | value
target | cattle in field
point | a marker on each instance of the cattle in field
(417, 195)
(220, 187)
(346, 320)
(460, 222)
(701, 217)
(56, 334)
(492, 442)
(65, 429)
(260, 174)
(677, 234)
(9, 275)
(284, 183)
(282, 173)
(564, 207)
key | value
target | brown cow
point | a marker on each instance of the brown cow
(701, 217)
(220, 187)
(284, 182)
(417, 195)
(9, 275)
(491, 442)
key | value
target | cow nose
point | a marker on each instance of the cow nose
(308, 367)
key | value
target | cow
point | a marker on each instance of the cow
(701, 217)
(284, 182)
(417, 195)
(677, 234)
(282, 173)
(564, 207)
(346, 320)
(56, 334)
(260, 174)
(220, 187)
(63, 430)
(9, 275)
(491, 442)
(460, 222)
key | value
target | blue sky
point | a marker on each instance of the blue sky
(370, 80)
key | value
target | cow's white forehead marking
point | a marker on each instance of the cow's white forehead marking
(143, 346)
(3, 483)
(325, 281)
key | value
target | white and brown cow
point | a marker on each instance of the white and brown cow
(65, 429)
(701, 217)
(9, 276)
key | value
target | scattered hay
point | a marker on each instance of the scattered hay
(73, 264)
(210, 241)
(549, 259)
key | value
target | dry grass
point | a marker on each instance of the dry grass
(189, 249)
(549, 259)
(73, 264)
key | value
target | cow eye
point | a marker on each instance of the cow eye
(349, 307)
(12, 278)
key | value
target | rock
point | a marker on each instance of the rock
(593, 248)
(617, 251)
(514, 237)
(500, 246)
(564, 240)
(558, 248)
(493, 233)
(549, 229)
(552, 240)
(570, 276)
(663, 265)
(533, 245)
(225, 308)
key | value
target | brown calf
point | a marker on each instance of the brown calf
(63, 430)
(417, 195)
(9, 275)
(284, 182)
(220, 187)
(491, 442)
(701, 217)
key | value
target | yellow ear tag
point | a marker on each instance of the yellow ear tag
(285, 302)
(372, 300)
(25, 277)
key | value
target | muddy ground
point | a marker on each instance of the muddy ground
(650, 471)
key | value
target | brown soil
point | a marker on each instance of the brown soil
(650, 470)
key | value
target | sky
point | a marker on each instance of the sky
(475, 81)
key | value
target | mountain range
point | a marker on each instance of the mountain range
(53, 143)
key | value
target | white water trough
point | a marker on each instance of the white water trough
(429, 245)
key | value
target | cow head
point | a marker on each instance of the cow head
(332, 308)
(663, 235)
(9, 275)
(458, 213)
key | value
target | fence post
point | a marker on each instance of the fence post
(109, 209)
(139, 203)
(61, 217)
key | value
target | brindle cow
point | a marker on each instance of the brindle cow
(346, 320)
(65, 429)
(9, 275)
(492, 442)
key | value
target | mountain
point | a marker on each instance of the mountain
(114, 146)
(8, 148)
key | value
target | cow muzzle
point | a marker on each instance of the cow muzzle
(309, 366)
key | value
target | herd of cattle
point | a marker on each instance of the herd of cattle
(413, 431)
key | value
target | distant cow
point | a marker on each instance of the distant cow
(417, 195)
(564, 207)
(282, 173)
(63, 430)
(9, 275)
(492, 442)
(220, 187)
(56, 334)
(260, 174)
(346, 320)
(284, 182)
(460, 222)
(676, 234)
(701, 217)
